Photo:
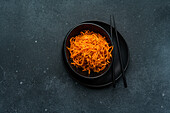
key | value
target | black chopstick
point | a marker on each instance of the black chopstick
(120, 56)
(113, 70)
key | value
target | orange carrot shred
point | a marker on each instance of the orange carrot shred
(90, 51)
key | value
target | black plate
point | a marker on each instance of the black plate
(107, 78)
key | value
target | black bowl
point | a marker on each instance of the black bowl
(76, 31)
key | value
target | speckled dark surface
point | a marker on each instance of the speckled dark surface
(33, 78)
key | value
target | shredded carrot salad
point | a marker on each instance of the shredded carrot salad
(90, 51)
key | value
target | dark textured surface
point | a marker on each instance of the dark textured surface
(32, 75)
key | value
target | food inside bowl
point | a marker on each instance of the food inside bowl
(90, 51)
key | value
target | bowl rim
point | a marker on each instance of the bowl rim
(66, 37)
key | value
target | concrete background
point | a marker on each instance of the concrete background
(33, 78)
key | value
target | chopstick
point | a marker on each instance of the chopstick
(120, 56)
(113, 71)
